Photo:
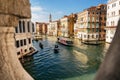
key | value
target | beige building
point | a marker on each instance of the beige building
(23, 36)
(91, 24)
(64, 26)
(53, 28)
(67, 25)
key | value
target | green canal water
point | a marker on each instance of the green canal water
(79, 62)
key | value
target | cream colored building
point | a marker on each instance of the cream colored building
(52, 28)
(91, 24)
(23, 36)
(64, 26)
(113, 15)
(82, 24)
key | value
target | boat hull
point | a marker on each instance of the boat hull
(65, 41)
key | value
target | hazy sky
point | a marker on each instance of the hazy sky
(58, 8)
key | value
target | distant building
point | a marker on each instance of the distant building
(71, 22)
(64, 26)
(41, 28)
(91, 23)
(113, 15)
(53, 28)
(67, 25)
(23, 37)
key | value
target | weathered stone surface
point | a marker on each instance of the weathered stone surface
(10, 67)
(8, 20)
(10, 12)
(20, 8)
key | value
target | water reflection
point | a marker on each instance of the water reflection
(79, 62)
(80, 57)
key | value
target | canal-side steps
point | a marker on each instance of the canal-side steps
(32, 52)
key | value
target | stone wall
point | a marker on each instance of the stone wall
(10, 13)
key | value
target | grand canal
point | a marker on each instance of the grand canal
(79, 62)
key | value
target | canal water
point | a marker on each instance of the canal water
(79, 62)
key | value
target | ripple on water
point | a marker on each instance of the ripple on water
(71, 63)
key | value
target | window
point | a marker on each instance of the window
(88, 36)
(114, 13)
(21, 42)
(29, 40)
(103, 35)
(92, 36)
(97, 30)
(100, 18)
(99, 36)
(23, 26)
(20, 26)
(119, 12)
(104, 24)
(111, 37)
(24, 41)
(18, 53)
(84, 36)
(108, 7)
(113, 23)
(25, 50)
(113, 5)
(33, 30)
(96, 36)
(104, 18)
(17, 44)
(28, 26)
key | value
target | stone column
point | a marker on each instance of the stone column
(10, 13)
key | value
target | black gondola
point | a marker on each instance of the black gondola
(41, 45)
(56, 49)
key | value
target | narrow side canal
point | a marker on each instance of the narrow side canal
(79, 62)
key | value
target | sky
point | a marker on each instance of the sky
(41, 9)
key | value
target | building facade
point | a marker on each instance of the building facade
(67, 25)
(53, 28)
(64, 26)
(113, 15)
(41, 28)
(23, 37)
(91, 23)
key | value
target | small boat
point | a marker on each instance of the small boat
(65, 41)
(91, 42)
(56, 49)
(41, 45)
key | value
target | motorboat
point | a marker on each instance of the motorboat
(65, 41)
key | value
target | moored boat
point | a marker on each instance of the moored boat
(65, 41)
(92, 42)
